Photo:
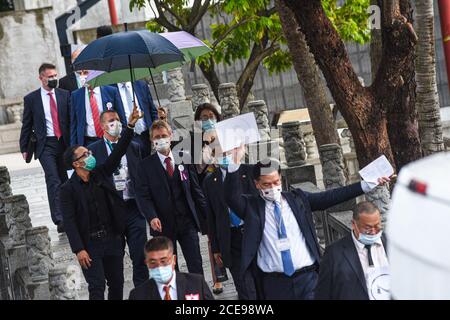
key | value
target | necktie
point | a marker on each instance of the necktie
(169, 166)
(167, 295)
(95, 113)
(288, 265)
(369, 254)
(234, 219)
(54, 113)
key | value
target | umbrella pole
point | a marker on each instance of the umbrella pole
(132, 80)
(154, 87)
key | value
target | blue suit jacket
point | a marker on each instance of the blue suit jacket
(145, 101)
(34, 119)
(251, 208)
(133, 159)
(78, 113)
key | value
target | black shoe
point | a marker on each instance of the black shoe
(60, 228)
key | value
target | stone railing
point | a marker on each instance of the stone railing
(10, 124)
(28, 270)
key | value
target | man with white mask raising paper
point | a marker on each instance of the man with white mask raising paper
(280, 247)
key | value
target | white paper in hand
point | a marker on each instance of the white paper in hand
(234, 132)
(375, 170)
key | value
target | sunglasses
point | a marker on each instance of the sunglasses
(85, 154)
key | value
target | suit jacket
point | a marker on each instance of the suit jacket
(34, 119)
(154, 197)
(75, 207)
(69, 82)
(218, 214)
(145, 100)
(341, 275)
(251, 208)
(133, 155)
(110, 95)
(187, 283)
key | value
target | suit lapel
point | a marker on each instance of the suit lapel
(181, 286)
(61, 111)
(352, 257)
(153, 290)
(161, 171)
(40, 107)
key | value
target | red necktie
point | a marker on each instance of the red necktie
(169, 166)
(54, 113)
(95, 114)
(167, 295)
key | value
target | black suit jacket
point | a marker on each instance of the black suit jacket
(187, 283)
(251, 208)
(133, 158)
(69, 82)
(155, 199)
(341, 275)
(34, 119)
(75, 207)
(218, 214)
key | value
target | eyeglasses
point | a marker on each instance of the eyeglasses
(85, 154)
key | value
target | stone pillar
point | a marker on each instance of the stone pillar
(310, 144)
(39, 253)
(17, 218)
(200, 95)
(5, 191)
(333, 168)
(381, 197)
(180, 113)
(347, 134)
(175, 85)
(61, 285)
(293, 143)
(214, 102)
(229, 100)
(259, 109)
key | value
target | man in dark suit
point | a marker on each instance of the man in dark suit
(94, 216)
(225, 227)
(87, 105)
(280, 246)
(124, 179)
(347, 264)
(73, 80)
(169, 195)
(165, 283)
(46, 115)
(144, 101)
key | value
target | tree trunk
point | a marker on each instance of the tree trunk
(430, 127)
(376, 47)
(211, 76)
(309, 77)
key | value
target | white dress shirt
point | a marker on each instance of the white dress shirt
(124, 164)
(90, 128)
(378, 256)
(47, 111)
(162, 158)
(173, 288)
(128, 105)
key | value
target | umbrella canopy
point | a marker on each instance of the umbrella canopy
(190, 46)
(125, 50)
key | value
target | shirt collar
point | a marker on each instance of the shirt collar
(162, 157)
(45, 92)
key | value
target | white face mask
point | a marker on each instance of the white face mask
(114, 128)
(162, 144)
(271, 194)
(83, 80)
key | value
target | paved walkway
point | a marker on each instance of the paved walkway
(28, 179)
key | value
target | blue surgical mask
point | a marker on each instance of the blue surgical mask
(223, 162)
(208, 124)
(369, 239)
(89, 163)
(162, 275)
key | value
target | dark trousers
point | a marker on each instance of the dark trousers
(52, 162)
(300, 286)
(143, 140)
(90, 140)
(106, 264)
(136, 236)
(187, 237)
(236, 257)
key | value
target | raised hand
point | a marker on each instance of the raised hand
(135, 116)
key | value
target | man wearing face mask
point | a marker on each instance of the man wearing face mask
(165, 283)
(123, 180)
(225, 227)
(169, 195)
(280, 246)
(349, 263)
(74, 80)
(94, 215)
(46, 116)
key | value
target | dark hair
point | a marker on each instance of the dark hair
(207, 106)
(158, 244)
(106, 112)
(46, 66)
(104, 31)
(68, 156)
(364, 207)
(265, 167)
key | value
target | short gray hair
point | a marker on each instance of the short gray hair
(364, 207)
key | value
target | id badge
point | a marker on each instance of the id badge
(120, 180)
(283, 244)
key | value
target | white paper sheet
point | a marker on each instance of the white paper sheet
(378, 168)
(236, 131)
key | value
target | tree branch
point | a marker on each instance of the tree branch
(231, 29)
(168, 9)
(201, 12)
(162, 19)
